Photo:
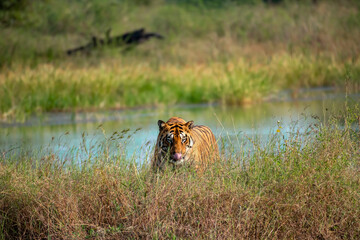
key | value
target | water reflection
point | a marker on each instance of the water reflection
(64, 133)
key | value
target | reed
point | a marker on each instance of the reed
(303, 184)
(108, 86)
(232, 53)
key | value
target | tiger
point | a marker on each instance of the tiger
(180, 142)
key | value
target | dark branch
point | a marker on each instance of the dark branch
(130, 38)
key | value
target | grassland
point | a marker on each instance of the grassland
(233, 53)
(302, 185)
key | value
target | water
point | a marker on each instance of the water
(74, 134)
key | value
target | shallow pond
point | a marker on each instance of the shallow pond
(68, 134)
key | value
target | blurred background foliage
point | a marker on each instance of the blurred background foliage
(234, 51)
(42, 30)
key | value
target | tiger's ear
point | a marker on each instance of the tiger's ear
(161, 124)
(189, 124)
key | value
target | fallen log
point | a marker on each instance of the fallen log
(129, 38)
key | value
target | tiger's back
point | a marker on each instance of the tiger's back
(180, 142)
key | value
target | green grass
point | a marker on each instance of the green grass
(48, 88)
(233, 53)
(45, 29)
(305, 187)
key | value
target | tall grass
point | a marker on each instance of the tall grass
(49, 88)
(45, 29)
(232, 53)
(303, 184)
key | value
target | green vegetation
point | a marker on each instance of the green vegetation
(300, 185)
(235, 52)
(304, 186)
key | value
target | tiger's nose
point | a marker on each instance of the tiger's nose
(177, 156)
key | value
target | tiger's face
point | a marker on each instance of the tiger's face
(175, 141)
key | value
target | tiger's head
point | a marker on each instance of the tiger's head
(175, 141)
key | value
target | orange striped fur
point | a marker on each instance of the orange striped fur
(180, 142)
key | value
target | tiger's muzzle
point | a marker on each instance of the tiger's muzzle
(177, 158)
